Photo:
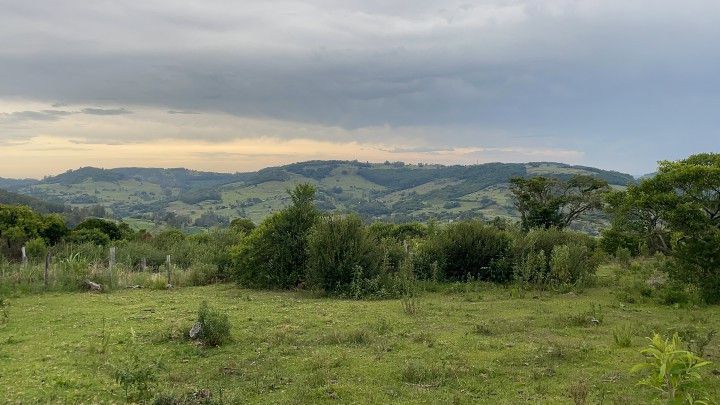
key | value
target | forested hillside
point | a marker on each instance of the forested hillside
(391, 191)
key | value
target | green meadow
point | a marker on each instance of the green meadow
(454, 343)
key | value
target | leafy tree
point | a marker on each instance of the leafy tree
(275, 253)
(551, 202)
(638, 217)
(678, 212)
(113, 230)
(694, 217)
(19, 224)
(242, 224)
(210, 219)
(92, 236)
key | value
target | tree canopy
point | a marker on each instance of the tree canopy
(545, 202)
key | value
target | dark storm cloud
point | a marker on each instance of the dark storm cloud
(602, 76)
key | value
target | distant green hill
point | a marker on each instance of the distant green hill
(378, 191)
(7, 197)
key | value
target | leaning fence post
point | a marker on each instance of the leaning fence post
(167, 264)
(47, 269)
(111, 264)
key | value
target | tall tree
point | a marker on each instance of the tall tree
(695, 219)
(638, 216)
(551, 202)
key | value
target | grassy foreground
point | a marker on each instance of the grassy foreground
(465, 344)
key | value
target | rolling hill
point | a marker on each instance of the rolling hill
(378, 191)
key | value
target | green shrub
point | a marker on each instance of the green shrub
(341, 254)
(200, 274)
(274, 255)
(214, 326)
(89, 236)
(571, 264)
(674, 293)
(623, 256)
(694, 339)
(467, 250)
(546, 256)
(36, 249)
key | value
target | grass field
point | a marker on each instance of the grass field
(466, 343)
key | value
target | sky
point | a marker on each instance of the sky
(236, 86)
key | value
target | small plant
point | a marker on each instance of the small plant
(482, 329)
(358, 337)
(4, 315)
(420, 374)
(623, 256)
(137, 378)
(670, 369)
(593, 316)
(579, 392)
(696, 340)
(214, 326)
(623, 336)
(102, 346)
(410, 287)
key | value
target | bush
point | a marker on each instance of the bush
(274, 255)
(552, 256)
(89, 236)
(623, 256)
(36, 249)
(467, 250)
(214, 326)
(572, 264)
(200, 274)
(340, 247)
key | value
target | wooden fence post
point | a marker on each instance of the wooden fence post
(143, 264)
(24, 257)
(111, 264)
(167, 264)
(47, 269)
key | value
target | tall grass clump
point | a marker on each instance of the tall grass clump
(214, 326)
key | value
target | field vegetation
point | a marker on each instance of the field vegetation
(315, 306)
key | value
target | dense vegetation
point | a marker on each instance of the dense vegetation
(662, 248)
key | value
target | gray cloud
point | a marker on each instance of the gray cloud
(604, 76)
(44, 115)
(182, 112)
(105, 111)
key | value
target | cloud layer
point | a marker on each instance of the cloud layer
(606, 77)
